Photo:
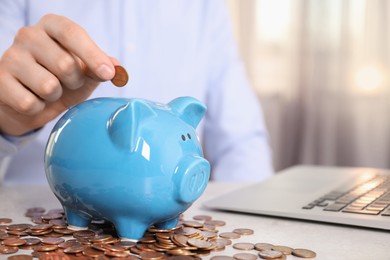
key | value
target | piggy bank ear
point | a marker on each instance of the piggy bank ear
(189, 109)
(124, 124)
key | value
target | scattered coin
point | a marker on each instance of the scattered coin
(20, 257)
(222, 257)
(243, 246)
(284, 249)
(243, 231)
(263, 246)
(14, 242)
(270, 254)
(202, 217)
(8, 249)
(5, 220)
(191, 239)
(245, 256)
(121, 77)
(229, 235)
(304, 253)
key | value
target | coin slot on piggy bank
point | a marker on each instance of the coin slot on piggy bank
(131, 162)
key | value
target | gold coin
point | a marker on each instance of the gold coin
(245, 256)
(8, 249)
(222, 257)
(263, 246)
(243, 231)
(121, 77)
(223, 241)
(14, 242)
(31, 241)
(202, 217)
(117, 253)
(284, 249)
(243, 246)
(218, 223)
(270, 254)
(5, 220)
(20, 257)
(194, 224)
(92, 252)
(229, 235)
(179, 239)
(152, 255)
(19, 227)
(47, 248)
(304, 253)
(202, 244)
(84, 233)
(41, 227)
(73, 249)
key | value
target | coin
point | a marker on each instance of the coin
(8, 249)
(270, 254)
(46, 248)
(194, 224)
(243, 246)
(263, 246)
(243, 231)
(202, 217)
(222, 257)
(75, 249)
(230, 235)
(30, 241)
(20, 257)
(152, 255)
(53, 240)
(14, 242)
(199, 243)
(88, 251)
(5, 220)
(304, 253)
(218, 223)
(245, 256)
(284, 249)
(121, 77)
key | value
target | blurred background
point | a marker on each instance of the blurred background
(321, 71)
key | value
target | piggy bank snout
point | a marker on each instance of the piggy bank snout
(193, 173)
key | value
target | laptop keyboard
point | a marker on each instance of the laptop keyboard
(371, 197)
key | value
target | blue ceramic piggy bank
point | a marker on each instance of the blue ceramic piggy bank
(131, 162)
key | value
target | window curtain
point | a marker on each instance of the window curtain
(321, 72)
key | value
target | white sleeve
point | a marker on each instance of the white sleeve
(9, 145)
(235, 137)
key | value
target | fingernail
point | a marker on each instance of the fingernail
(105, 72)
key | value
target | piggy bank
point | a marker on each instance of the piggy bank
(131, 162)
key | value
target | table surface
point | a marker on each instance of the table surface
(328, 241)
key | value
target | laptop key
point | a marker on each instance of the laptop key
(361, 211)
(335, 207)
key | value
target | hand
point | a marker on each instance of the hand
(49, 67)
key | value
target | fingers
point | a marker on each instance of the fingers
(46, 52)
(75, 40)
(15, 95)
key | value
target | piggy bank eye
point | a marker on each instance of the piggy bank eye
(189, 136)
(183, 137)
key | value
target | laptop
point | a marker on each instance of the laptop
(348, 196)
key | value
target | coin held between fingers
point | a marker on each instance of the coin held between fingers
(121, 77)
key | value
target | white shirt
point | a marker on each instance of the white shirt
(170, 49)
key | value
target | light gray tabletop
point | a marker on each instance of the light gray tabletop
(328, 241)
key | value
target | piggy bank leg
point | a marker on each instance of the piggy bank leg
(76, 220)
(169, 224)
(130, 229)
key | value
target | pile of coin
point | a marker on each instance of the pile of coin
(50, 238)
